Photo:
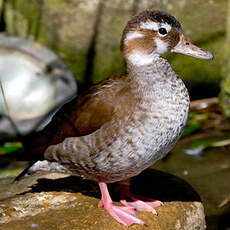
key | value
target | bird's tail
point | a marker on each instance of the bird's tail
(23, 173)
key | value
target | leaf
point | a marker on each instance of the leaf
(190, 129)
(220, 143)
(11, 171)
(224, 201)
(10, 147)
(196, 147)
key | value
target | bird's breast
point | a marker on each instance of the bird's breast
(133, 142)
(136, 136)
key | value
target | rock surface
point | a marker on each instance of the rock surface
(225, 84)
(57, 202)
(86, 34)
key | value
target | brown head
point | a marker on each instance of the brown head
(154, 32)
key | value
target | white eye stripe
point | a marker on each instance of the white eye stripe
(150, 25)
(132, 35)
(166, 26)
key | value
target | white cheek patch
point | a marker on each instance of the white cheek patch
(132, 35)
(138, 58)
(161, 46)
(149, 25)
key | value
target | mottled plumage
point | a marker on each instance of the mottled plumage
(122, 125)
(147, 117)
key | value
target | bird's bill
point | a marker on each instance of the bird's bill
(187, 48)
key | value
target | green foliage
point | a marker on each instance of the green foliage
(198, 146)
(194, 123)
(190, 129)
(10, 147)
(11, 171)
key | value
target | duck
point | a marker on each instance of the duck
(122, 125)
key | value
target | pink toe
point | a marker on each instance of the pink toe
(140, 203)
(155, 203)
(124, 215)
(100, 204)
(127, 216)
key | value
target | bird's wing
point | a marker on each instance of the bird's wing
(81, 116)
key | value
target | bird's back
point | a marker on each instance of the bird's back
(79, 117)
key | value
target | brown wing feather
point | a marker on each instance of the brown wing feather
(81, 116)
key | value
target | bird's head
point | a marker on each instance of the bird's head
(154, 32)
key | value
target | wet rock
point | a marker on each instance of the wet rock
(58, 202)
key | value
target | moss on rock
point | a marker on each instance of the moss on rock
(86, 34)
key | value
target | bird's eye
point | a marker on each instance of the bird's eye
(162, 31)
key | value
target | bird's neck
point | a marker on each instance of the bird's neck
(157, 84)
(158, 72)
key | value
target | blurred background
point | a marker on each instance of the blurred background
(61, 42)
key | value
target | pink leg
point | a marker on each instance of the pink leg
(138, 202)
(124, 215)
